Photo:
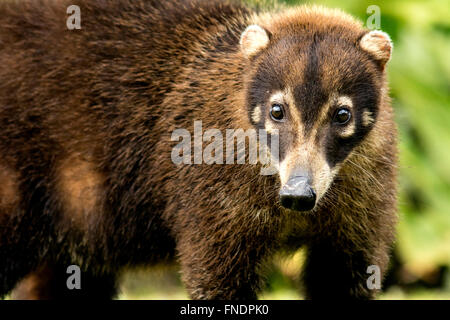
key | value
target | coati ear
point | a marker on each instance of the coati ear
(253, 40)
(378, 44)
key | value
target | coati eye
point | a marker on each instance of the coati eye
(276, 112)
(342, 116)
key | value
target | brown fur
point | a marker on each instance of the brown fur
(80, 187)
(86, 117)
(9, 192)
(33, 286)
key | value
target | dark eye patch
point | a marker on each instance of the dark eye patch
(338, 148)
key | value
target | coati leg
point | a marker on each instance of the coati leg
(17, 254)
(10, 273)
(221, 271)
(49, 282)
(338, 270)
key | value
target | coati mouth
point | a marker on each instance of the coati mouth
(298, 195)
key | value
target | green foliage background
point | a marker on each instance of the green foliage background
(419, 75)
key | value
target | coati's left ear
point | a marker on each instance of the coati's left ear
(379, 45)
(253, 40)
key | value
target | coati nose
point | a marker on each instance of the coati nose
(298, 195)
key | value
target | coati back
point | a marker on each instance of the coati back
(86, 119)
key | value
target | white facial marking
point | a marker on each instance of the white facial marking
(277, 97)
(345, 101)
(349, 130)
(256, 115)
(269, 126)
(367, 118)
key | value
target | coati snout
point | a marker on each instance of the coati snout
(297, 194)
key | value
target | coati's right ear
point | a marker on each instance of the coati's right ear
(253, 40)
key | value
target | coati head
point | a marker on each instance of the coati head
(315, 78)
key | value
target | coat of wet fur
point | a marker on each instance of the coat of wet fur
(86, 118)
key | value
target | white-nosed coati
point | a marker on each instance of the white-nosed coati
(86, 118)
